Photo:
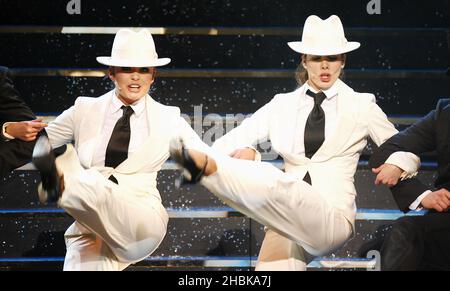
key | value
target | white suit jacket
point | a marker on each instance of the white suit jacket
(82, 123)
(333, 166)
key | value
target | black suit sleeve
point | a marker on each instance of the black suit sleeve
(418, 139)
(14, 153)
(12, 107)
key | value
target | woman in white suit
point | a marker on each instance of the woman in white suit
(320, 130)
(108, 178)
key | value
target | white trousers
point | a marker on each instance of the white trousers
(298, 218)
(280, 253)
(114, 227)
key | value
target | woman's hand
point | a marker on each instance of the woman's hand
(387, 174)
(25, 130)
(244, 154)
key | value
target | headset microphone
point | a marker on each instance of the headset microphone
(117, 86)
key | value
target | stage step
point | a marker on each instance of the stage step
(18, 190)
(240, 49)
(235, 95)
(191, 263)
(40, 233)
(139, 13)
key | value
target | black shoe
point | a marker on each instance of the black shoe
(44, 160)
(191, 174)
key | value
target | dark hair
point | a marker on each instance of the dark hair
(301, 74)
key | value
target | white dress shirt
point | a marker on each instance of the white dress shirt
(138, 125)
(329, 106)
(416, 204)
(5, 135)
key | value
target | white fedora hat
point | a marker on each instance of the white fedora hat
(323, 37)
(133, 49)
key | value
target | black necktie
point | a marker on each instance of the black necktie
(117, 149)
(315, 128)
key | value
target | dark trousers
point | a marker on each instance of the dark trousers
(417, 243)
(14, 154)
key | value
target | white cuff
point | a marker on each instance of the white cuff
(415, 205)
(6, 136)
(406, 161)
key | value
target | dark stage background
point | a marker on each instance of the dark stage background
(228, 57)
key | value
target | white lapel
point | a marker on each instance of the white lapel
(90, 126)
(283, 123)
(289, 125)
(345, 124)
